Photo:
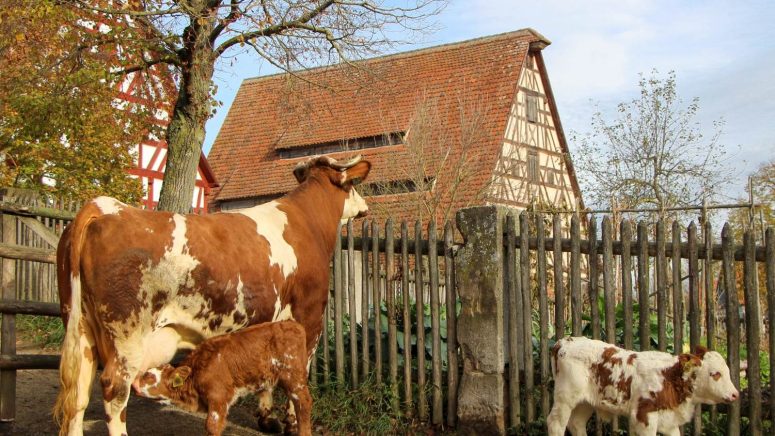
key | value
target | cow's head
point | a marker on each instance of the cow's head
(342, 175)
(713, 384)
(168, 384)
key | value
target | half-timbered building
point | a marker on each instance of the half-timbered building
(467, 123)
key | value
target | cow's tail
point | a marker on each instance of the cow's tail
(69, 282)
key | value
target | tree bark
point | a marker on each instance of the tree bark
(186, 131)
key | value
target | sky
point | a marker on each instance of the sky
(723, 52)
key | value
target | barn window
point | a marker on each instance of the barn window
(532, 108)
(532, 166)
(344, 145)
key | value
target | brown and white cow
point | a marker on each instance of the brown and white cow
(656, 391)
(136, 285)
(224, 368)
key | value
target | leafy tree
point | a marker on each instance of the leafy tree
(195, 36)
(653, 153)
(61, 132)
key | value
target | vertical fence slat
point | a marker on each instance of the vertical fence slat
(626, 237)
(351, 303)
(710, 294)
(608, 282)
(376, 302)
(661, 262)
(753, 335)
(643, 287)
(338, 306)
(390, 302)
(694, 310)
(594, 309)
(733, 324)
(8, 325)
(452, 362)
(678, 296)
(515, 325)
(575, 275)
(543, 317)
(559, 289)
(326, 339)
(407, 326)
(770, 271)
(527, 315)
(437, 414)
(422, 403)
(365, 299)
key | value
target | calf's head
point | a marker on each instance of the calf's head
(168, 384)
(713, 383)
(343, 176)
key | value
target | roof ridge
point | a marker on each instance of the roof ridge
(414, 52)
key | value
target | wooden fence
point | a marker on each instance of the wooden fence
(672, 282)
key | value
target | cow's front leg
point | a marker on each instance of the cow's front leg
(649, 428)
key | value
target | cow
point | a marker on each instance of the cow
(137, 285)
(224, 368)
(656, 391)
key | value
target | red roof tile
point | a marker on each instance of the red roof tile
(373, 97)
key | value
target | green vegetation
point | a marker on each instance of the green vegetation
(42, 331)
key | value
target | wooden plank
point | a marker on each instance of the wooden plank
(365, 363)
(710, 294)
(543, 318)
(694, 311)
(452, 362)
(15, 209)
(14, 306)
(769, 238)
(559, 288)
(41, 230)
(338, 312)
(678, 296)
(609, 294)
(8, 325)
(594, 309)
(14, 251)
(326, 351)
(13, 362)
(661, 262)
(390, 302)
(422, 401)
(353, 311)
(626, 239)
(575, 275)
(516, 339)
(527, 317)
(376, 302)
(732, 325)
(437, 415)
(753, 335)
(643, 287)
(407, 327)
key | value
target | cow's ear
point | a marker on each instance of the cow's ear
(689, 362)
(180, 375)
(301, 172)
(700, 351)
(357, 173)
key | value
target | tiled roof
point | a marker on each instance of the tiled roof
(373, 97)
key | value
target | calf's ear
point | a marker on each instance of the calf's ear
(689, 362)
(180, 375)
(700, 351)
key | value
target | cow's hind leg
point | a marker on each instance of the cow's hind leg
(116, 381)
(579, 418)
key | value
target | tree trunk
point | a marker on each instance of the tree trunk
(186, 131)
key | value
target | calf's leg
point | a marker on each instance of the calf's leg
(216, 419)
(578, 419)
(266, 422)
(558, 418)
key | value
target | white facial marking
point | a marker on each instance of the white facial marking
(144, 389)
(354, 204)
(271, 223)
(109, 206)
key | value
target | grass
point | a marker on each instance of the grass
(42, 331)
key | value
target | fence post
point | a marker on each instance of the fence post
(8, 340)
(479, 280)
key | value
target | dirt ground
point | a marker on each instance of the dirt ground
(36, 392)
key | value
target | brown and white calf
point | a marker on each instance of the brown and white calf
(137, 285)
(224, 368)
(656, 390)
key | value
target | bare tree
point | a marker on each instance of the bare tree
(653, 154)
(196, 36)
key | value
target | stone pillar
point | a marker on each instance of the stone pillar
(480, 330)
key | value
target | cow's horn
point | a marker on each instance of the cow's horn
(345, 165)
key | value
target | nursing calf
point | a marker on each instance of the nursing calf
(224, 368)
(656, 391)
